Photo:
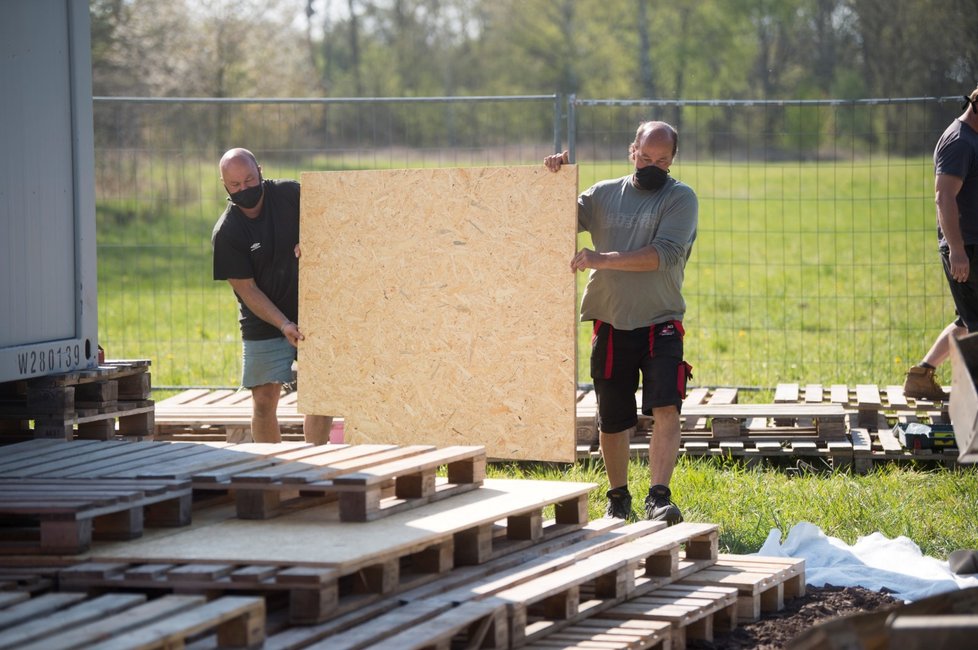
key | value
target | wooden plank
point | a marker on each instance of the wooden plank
(239, 622)
(909, 632)
(839, 394)
(895, 397)
(889, 442)
(476, 624)
(323, 462)
(868, 403)
(786, 393)
(743, 411)
(57, 629)
(107, 626)
(598, 632)
(724, 396)
(460, 392)
(27, 610)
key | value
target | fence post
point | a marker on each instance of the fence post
(557, 123)
(571, 128)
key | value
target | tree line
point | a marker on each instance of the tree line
(628, 49)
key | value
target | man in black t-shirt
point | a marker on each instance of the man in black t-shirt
(956, 195)
(256, 249)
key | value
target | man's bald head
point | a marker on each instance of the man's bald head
(237, 157)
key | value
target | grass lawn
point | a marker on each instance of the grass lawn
(937, 509)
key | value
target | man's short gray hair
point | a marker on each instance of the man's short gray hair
(647, 128)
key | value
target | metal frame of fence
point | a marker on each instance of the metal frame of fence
(848, 179)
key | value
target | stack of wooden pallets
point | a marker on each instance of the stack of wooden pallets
(110, 401)
(340, 546)
(846, 427)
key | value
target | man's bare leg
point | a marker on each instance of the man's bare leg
(664, 444)
(316, 428)
(614, 451)
(264, 414)
(941, 349)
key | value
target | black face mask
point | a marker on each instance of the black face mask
(967, 101)
(651, 178)
(249, 196)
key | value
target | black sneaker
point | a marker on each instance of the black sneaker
(619, 504)
(659, 506)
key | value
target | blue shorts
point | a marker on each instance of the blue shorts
(268, 361)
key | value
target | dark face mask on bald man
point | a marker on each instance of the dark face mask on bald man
(249, 196)
(651, 178)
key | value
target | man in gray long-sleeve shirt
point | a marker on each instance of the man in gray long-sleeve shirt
(643, 226)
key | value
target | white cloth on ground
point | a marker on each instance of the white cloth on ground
(874, 562)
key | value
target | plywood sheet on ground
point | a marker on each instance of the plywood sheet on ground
(438, 307)
(315, 536)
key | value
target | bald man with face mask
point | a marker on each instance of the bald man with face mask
(643, 226)
(256, 249)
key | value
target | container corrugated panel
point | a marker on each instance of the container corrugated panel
(48, 319)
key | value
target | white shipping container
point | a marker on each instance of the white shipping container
(48, 308)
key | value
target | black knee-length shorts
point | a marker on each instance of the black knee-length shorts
(618, 357)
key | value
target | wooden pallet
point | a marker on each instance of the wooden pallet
(693, 612)
(328, 567)
(776, 450)
(565, 596)
(867, 402)
(871, 448)
(370, 481)
(587, 407)
(62, 516)
(374, 621)
(763, 583)
(608, 634)
(542, 591)
(129, 621)
(359, 479)
(110, 401)
(430, 625)
(223, 415)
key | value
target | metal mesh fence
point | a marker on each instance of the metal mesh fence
(815, 260)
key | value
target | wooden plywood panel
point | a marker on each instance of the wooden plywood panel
(439, 307)
(316, 536)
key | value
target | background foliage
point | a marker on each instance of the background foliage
(730, 49)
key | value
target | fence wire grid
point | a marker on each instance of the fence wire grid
(815, 260)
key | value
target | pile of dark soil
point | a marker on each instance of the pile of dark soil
(776, 630)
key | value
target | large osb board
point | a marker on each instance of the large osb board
(316, 536)
(438, 307)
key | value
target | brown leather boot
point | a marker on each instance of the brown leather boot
(920, 384)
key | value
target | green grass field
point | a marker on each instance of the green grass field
(808, 272)
(937, 509)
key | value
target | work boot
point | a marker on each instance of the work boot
(619, 504)
(659, 506)
(920, 384)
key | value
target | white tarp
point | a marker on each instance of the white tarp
(874, 562)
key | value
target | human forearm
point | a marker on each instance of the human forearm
(642, 259)
(259, 304)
